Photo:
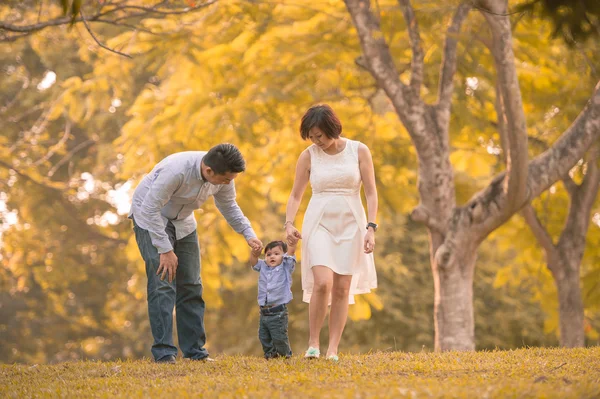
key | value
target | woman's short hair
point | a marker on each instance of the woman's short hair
(322, 117)
(225, 158)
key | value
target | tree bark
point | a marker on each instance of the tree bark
(564, 258)
(456, 232)
(570, 303)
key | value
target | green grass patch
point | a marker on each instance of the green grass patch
(524, 373)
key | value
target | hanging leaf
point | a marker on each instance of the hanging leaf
(75, 8)
(65, 6)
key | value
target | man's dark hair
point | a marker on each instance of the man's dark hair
(322, 117)
(224, 158)
(275, 244)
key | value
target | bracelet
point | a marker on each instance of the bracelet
(286, 223)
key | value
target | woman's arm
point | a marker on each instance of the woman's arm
(300, 183)
(367, 174)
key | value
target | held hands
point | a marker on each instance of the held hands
(168, 265)
(292, 234)
(255, 244)
(256, 252)
(369, 244)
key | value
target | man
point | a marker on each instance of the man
(165, 231)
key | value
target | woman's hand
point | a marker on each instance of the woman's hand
(292, 233)
(369, 244)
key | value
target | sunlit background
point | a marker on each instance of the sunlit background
(81, 125)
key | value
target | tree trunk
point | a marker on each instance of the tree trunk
(570, 303)
(564, 259)
(453, 303)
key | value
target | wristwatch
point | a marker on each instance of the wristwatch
(373, 225)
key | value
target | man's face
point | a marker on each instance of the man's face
(224, 178)
(274, 256)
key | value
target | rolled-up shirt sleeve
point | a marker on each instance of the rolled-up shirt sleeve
(161, 190)
(227, 205)
(289, 261)
(258, 265)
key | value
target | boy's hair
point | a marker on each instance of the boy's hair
(323, 117)
(225, 158)
(275, 244)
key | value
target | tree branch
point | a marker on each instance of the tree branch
(67, 157)
(52, 150)
(591, 182)
(544, 170)
(504, 58)
(538, 230)
(416, 75)
(124, 10)
(570, 185)
(501, 116)
(87, 26)
(421, 215)
(381, 66)
(554, 163)
(50, 185)
(446, 85)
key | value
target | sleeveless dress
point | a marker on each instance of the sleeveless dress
(335, 223)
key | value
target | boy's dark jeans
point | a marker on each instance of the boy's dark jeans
(273, 332)
(185, 292)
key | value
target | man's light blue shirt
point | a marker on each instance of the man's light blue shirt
(275, 283)
(173, 190)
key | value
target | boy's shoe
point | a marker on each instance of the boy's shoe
(170, 359)
(312, 353)
(333, 358)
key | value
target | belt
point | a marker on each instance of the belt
(270, 309)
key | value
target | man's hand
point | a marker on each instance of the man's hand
(255, 252)
(168, 265)
(255, 244)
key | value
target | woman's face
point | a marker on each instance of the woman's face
(319, 138)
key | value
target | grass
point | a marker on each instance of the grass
(523, 373)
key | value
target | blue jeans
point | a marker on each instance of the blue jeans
(273, 334)
(185, 292)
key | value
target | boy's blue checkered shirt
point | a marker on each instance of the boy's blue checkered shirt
(275, 283)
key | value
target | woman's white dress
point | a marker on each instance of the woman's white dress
(335, 223)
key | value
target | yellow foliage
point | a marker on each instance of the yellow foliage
(360, 310)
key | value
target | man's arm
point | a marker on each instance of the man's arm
(227, 205)
(159, 193)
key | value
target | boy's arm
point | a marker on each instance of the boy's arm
(292, 247)
(254, 258)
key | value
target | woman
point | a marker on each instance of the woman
(337, 251)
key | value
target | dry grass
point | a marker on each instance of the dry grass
(525, 373)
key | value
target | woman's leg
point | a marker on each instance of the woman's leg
(317, 308)
(339, 311)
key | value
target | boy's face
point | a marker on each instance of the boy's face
(274, 256)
